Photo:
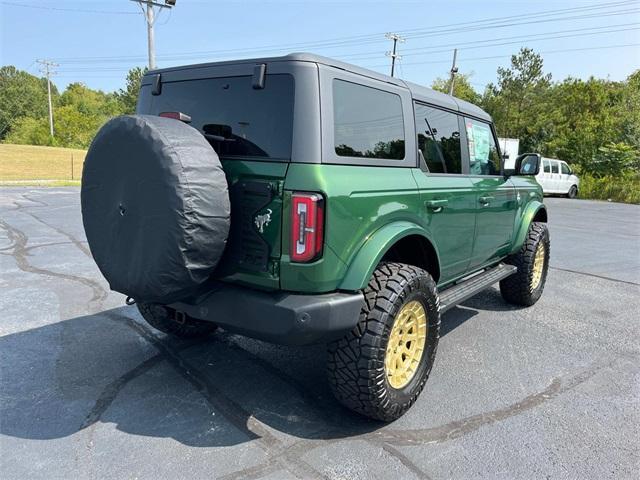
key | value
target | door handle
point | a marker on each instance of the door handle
(485, 200)
(436, 205)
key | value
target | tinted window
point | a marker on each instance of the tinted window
(438, 139)
(565, 168)
(547, 166)
(367, 122)
(554, 167)
(483, 152)
(238, 120)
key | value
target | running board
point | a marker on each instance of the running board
(465, 289)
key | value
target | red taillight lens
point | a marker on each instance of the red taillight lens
(183, 117)
(307, 226)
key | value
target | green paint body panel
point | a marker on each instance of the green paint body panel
(369, 209)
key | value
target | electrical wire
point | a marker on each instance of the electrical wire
(371, 38)
(75, 10)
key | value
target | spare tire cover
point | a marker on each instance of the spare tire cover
(155, 207)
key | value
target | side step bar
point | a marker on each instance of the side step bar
(458, 293)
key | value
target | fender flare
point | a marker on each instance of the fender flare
(375, 246)
(527, 217)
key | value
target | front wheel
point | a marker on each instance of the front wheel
(526, 285)
(573, 192)
(381, 366)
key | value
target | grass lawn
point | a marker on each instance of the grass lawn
(30, 165)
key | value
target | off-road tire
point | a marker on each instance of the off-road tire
(164, 319)
(518, 288)
(573, 192)
(356, 362)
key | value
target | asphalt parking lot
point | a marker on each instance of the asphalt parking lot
(88, 390)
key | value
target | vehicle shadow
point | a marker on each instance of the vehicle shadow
(112, 368)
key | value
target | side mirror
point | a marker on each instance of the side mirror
(528, 164)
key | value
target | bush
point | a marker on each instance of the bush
(623, 188)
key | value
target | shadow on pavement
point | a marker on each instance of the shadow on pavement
(112, 368)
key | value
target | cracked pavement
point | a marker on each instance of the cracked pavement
(88, 390)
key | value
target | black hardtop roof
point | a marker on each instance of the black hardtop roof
(418, 92)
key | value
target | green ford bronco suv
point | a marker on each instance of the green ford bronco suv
(300, 200)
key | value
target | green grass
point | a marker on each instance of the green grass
(31, 165)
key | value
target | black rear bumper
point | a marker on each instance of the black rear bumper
(278, 317)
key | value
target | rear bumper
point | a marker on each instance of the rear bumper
(278, 317)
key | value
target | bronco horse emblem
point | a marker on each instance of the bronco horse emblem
(263, 220)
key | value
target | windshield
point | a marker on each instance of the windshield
(238, 120)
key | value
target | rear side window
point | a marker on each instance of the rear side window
(367, 122)
(238, 120)
(483, 152)
(438, 139)
(565, 169)
(554, 167)
(547, 166)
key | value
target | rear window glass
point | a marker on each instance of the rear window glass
(367, 122)
(438, 139)
(238, 120)
(554, 167)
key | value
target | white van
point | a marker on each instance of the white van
(556, 177)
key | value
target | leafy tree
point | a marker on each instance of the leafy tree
(461, 88)
(516, 101)
(581, 117)
(75, 128)
(128, 96)
(30, 131)
(21, 95)
(88, 101)
(614, 159)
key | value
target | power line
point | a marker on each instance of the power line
(372, 38)
(461, 46)
(519, 39)
(547, 52)
(75, 10)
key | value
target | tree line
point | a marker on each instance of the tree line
(78, 112)
(593, 124)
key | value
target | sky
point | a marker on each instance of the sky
(96, 42)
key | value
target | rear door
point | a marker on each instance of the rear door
(446, 192)
(555, 176)
(495, 195)
(251, 130)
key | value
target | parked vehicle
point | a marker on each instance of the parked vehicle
(301, 200)
(556, 177)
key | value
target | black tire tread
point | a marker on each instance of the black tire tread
(356, 361)
(516, 289)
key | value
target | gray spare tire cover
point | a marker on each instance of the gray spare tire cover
(155, 207)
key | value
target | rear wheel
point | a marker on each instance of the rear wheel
(573, 192)
(382, 365)
(168, 321)
(526, 285)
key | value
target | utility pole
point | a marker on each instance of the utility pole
(454, 70)
(393, 54)
(46, 66)
(150, 18)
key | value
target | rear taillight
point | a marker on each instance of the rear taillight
(307, 226)
(183, 117)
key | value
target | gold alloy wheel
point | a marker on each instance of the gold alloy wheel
(406, 344)
(538, 266)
